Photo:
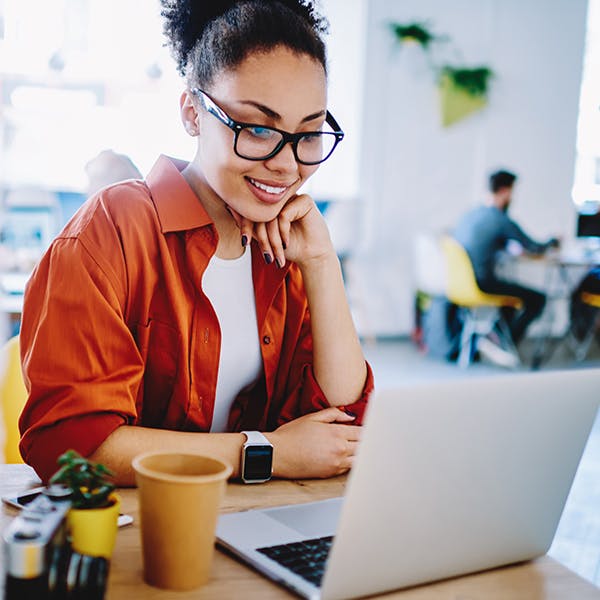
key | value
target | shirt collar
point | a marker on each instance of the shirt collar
(178, 207)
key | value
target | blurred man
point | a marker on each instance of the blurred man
(109, 167)
(483, 232)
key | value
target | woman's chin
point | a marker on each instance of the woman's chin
(259, 214)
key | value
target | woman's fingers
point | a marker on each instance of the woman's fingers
(262, 237)
(284, 224)
(332, 414)
(245, 226)
(276, 242)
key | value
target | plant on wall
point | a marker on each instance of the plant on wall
(463, 90)
(473, 81)
(413, 32)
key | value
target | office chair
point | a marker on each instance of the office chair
(581, 347)
(13, 396)
(480, 311)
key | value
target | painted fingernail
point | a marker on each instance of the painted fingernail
(349, 413)
(284, 245)
(279, 265)
(268, 258)
(244, 240)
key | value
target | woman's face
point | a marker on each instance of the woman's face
(279, 89)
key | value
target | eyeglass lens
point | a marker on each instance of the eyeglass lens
(260, 142)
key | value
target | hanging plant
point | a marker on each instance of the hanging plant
(474, 81)
(462, 92)
(413, 32)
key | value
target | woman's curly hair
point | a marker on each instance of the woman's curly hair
(207, 36)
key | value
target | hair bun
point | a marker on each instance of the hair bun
(186, 20)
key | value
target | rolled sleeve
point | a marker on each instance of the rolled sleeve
(82, 381)
(311, 398)
(41, 446)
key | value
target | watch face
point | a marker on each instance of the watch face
(257, 462)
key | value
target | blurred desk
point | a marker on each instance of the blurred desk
(12, 288)
(556, 273)
(542, 579)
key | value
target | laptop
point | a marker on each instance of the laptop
(451, 477)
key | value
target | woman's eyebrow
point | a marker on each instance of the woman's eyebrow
(276, 116)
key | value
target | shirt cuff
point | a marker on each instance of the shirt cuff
(42, 447)
(312, 398)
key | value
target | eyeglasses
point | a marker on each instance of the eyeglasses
(257, 142)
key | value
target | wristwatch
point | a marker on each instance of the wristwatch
(257, 458)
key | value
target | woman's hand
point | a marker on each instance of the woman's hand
(317, 445)
(299, 233)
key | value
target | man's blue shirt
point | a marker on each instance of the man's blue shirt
(484, 231)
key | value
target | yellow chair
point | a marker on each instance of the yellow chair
(480, 311)
(581, 347)
(13, 395)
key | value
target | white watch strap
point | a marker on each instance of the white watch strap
(256, 437)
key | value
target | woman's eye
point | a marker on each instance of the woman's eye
(261, 132)
(312, 139)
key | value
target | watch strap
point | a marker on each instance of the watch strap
(256, 437)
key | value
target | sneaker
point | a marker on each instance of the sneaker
(496, 354)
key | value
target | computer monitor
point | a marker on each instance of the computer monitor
(588, 220)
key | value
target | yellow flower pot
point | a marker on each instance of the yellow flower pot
(93, 531)
(456, 103)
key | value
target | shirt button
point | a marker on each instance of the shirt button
(266, 340)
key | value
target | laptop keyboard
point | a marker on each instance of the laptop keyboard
(306, 558)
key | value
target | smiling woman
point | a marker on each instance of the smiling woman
(208, 300)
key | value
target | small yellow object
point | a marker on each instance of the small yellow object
(93, 531)
(456, 103)
(14, 396)
(591, 299)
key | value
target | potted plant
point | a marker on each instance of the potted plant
(92, 520)
(414, 32)
(462, 91)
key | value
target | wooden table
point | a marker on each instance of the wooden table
(542, 579)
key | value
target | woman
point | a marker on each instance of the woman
(208, 300)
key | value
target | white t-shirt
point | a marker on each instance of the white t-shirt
(229, 287)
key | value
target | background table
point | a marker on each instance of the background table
(542, 579)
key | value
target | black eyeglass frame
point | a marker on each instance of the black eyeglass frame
(294, 138)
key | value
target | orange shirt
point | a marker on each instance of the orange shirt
(117, 330)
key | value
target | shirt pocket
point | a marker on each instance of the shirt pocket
(158, 343)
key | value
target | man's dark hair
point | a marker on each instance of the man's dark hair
(501, 179)
(208, 36)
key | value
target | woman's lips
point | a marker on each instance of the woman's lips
(271, 194)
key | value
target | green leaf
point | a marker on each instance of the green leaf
(413, 31)
(474, 81)
(89, 482)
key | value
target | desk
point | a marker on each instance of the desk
(542, 579)
(556, 273)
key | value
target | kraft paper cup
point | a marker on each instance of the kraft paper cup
(179, 498)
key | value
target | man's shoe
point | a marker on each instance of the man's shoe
(496, 354)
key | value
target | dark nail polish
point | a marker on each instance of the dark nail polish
(268, 258)
(278, 263)
(349, 413)
(284, 245)
(244, 240)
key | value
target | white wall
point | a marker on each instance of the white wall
(415, 175)
(338, 178)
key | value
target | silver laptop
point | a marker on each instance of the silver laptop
(451, 477)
